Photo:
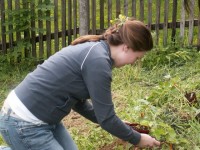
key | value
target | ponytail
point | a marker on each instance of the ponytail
(86, 38)
(94, 38)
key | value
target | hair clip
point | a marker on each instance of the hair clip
(119, 21)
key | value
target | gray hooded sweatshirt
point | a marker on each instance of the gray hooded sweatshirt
(67, 79)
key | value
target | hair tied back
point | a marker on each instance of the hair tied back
(119, 22)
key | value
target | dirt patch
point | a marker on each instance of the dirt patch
(75, 120)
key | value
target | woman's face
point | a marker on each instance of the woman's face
(127, 56)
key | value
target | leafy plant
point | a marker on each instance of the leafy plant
(172, 55)
(21, 20)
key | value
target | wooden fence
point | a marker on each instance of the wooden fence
(166, 18)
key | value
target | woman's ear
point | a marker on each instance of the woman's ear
(125, 48)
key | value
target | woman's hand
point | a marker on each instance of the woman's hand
(147, 141)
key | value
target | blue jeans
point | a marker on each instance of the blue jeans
(22, 135)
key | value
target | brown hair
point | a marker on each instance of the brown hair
(132, 32)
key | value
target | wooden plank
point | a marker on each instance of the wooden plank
(126, 7)
(26, 31)
(17, 7)
(101, 14)
(149, 13)
(88, 16)
(134, 8)
(33, 33)
(63, 9)
(83, 17)
(10, 27)
(199, 27)
(48, 30)
(182, 22)
(75, 18)
(157, 21)
(56, 40)
(141, 10)
(40, 38)
(191, 23)
(174, 16)
(3, 28)
(118, 10)
(69, 21)
(165, 24)
(18, 34)
(93, 16)
(109, 12)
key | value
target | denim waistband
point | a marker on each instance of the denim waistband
(6, 109)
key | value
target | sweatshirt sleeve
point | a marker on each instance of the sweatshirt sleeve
(85, 109)
(97, 77)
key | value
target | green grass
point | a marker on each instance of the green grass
(143, 94)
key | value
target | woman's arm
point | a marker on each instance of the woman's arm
(85, 109)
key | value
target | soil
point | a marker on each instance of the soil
(77, 121)
(74, 120)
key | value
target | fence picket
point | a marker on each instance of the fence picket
(56, 40)
(63, 9)
(118, 10)
(157, 21)
(191, 23)
(174, 16)
(93, 16)
(165, 24)
(101, 15)
(75, 18)
(17, 7)
(41, 39)
(109, 11)
(149, 13)
(26, 31)
(48, 32)
(134, 8)
(3, 28)
(18, 34)
(10, 27)
(33, 33)
(69, 21)
(141, 10)
(182, 22)
(126, 7)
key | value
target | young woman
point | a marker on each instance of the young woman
(32, 113)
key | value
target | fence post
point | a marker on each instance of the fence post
(64, 22)
(84, 22)
(3, 28)
(182, 22)
(26, 31)
(165, 24)
(158, 3)
(174, 16)
(94, 16)
(191, 23)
